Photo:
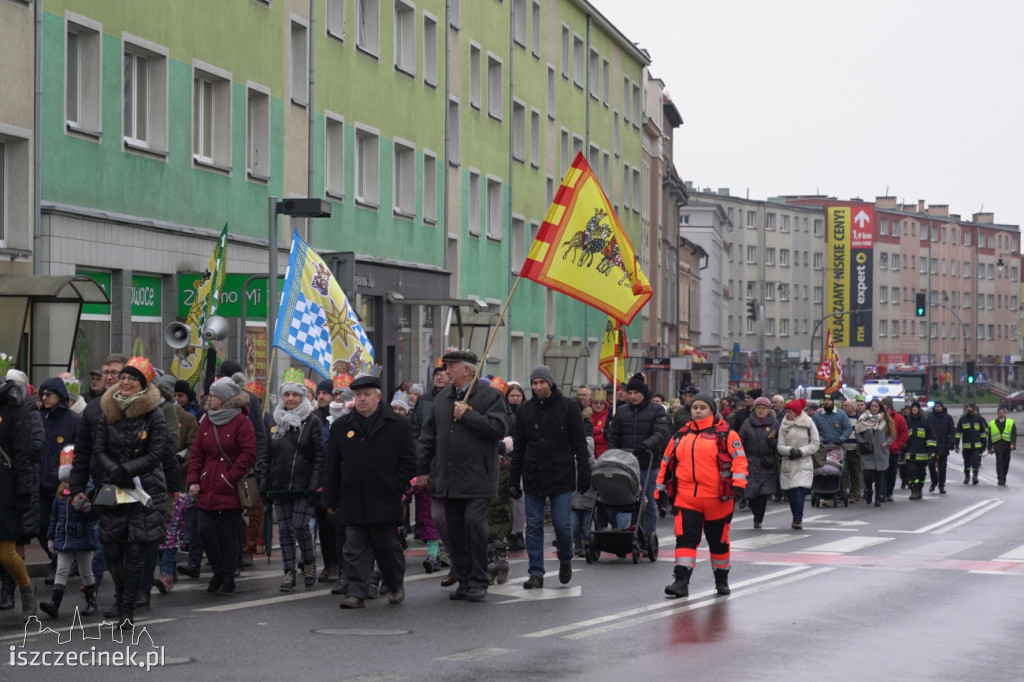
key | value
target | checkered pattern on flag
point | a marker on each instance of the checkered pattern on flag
(582, 250)
(315, 323)
(831, 368)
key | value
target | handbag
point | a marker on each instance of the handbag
(865, 447)
(248, 491)
(105, 496)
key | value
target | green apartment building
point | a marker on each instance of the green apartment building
(437, 130)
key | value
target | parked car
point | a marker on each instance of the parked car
(1014, 401)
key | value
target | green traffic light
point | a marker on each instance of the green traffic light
(970, 379)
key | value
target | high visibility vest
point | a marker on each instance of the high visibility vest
(994, 433)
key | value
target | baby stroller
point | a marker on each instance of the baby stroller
(616, 478)
(828, 480)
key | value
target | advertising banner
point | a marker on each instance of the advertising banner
(849, 271)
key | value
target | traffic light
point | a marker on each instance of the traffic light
(971, 366)
(751, 310)
(922, 305)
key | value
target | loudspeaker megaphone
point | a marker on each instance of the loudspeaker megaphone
(177, 335)
(216, 328)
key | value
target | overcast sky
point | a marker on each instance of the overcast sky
(844, 98)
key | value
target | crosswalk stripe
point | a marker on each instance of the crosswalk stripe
(941, 549)
(845, 546)
(766, 540)
(1016, 554)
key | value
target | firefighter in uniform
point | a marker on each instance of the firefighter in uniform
(970, 435)
(1002, 439)
(919, 450)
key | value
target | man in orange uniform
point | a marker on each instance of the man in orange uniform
(707, 468)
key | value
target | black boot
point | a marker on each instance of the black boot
(722, 581)
(915, 491)
(52, 607)
(90, 600)
(6, 592)
(112, 611)
(500, 562)
(492, 570)
(681, 587)
(125, 616)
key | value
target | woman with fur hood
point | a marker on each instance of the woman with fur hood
(129, 442)
(223, 452)
(798, 441)
(292, 475)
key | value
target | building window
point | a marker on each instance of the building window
(966, 269)
(83, 88)
(578, 61)
(565, 150)
(783, 327)
(299, 63)
(429, 187)
(819, 261)
(551, 92)
(769, 223)
(495, 94)
(454, 140)
(367, 173)
(883, 261)
(883, 227)
(883, 294)
(517, 248)
(784, 227)
(626, 183)
(474, 202)
(336, 19)
(638, 198)
(535, 32)
(784, 257)
(519, 22)
(475, 78)
(883, 327)
(637, 111)
(404, 178)
(368, 26)
(769, 256)
(518, 131)
(535, 138)
(751, 254)
(819, 227)
(751, 219)
(211, 116)
(625, 98)
(606, 81)
(769, 291)
(616, 136)
(566, 46)
(144, 91)
(455, 14)
(594, 74)
(895, 262)
(334, 156)
(429, 50)
(257, 133)
(405, 37)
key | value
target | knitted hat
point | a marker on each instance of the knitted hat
(141, 368)
(228, 367)
(327, 386)
(293, 381)
(637, 383)
(762, 401)
(887, 401)
(400, 405)
(543, 372)
(797, 405)
(708, 399)
(691, 389)
(225, 389)
(17, 375)
(755, 393)
(181, 386)
(417, 389)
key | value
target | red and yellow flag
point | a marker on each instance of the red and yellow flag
(613, 346)
(831, 368)
(582, 250)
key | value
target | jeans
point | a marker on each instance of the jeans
(581, 523)
(195, 541)
(560, 521)
(649, 521)
(167, 557)
(796, 497)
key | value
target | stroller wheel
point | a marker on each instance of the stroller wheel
(636, 556)
(815, 501)
(652, 547)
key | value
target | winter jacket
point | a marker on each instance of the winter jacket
(296, 457)
(697, 471)
(944, 428)
(972, 432)
(187, 428)
(549, 448)
(833, 427)
(801, 433)
(60, 426)
(136, 439)
(920, 443)
(368, 466)
(70, 529)
(640, 429)
(600, 421)
(900, 440)
(681, 418)
(217, 474)
(869, 429)
(19, 474)
(759, 437)
(259, 429)
(463, 454)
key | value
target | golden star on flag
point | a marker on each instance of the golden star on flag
(340, 325)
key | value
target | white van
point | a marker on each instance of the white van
(881, 388)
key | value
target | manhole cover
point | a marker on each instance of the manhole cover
(360, 632)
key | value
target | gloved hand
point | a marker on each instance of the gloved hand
(794, 453)
(515, 492)
(119, 477)
(583, 486)
(49, 545)
(737, 492)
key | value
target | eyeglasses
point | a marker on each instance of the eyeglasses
(46, 394)
(130, 378)
(111, 372)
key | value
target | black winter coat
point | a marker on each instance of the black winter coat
(368, 466)
(61, 425)
(296, 459)
(137, 440)
(19, 476)
(642, 430)
(945, 430)
(549, 448)
(760, 438)
(463, 453)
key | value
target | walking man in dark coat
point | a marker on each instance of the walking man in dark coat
(369, 461)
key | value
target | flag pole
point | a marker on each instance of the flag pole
(494, 334)
(615, 383)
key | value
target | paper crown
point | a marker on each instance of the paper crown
(401, 395)
(74, 386)
(255, 388)
(439, 363)
(311, 385)
(499, 383)
(67, 454)
(342, 381)
(294, 375)
(144, 366)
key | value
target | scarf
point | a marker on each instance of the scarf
(869, 422)
(223, 416)
(291, 419)
(124, 402)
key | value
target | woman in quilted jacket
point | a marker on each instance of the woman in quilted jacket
(223, 452)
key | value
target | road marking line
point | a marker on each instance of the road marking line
(655, 607)
(759, 541)
(845, 546)
(474, 654)
(692, 606)
(966, 519)
(1016, 554)
(942, 522)
(940, 549)
(197, 584)
(265, 602)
